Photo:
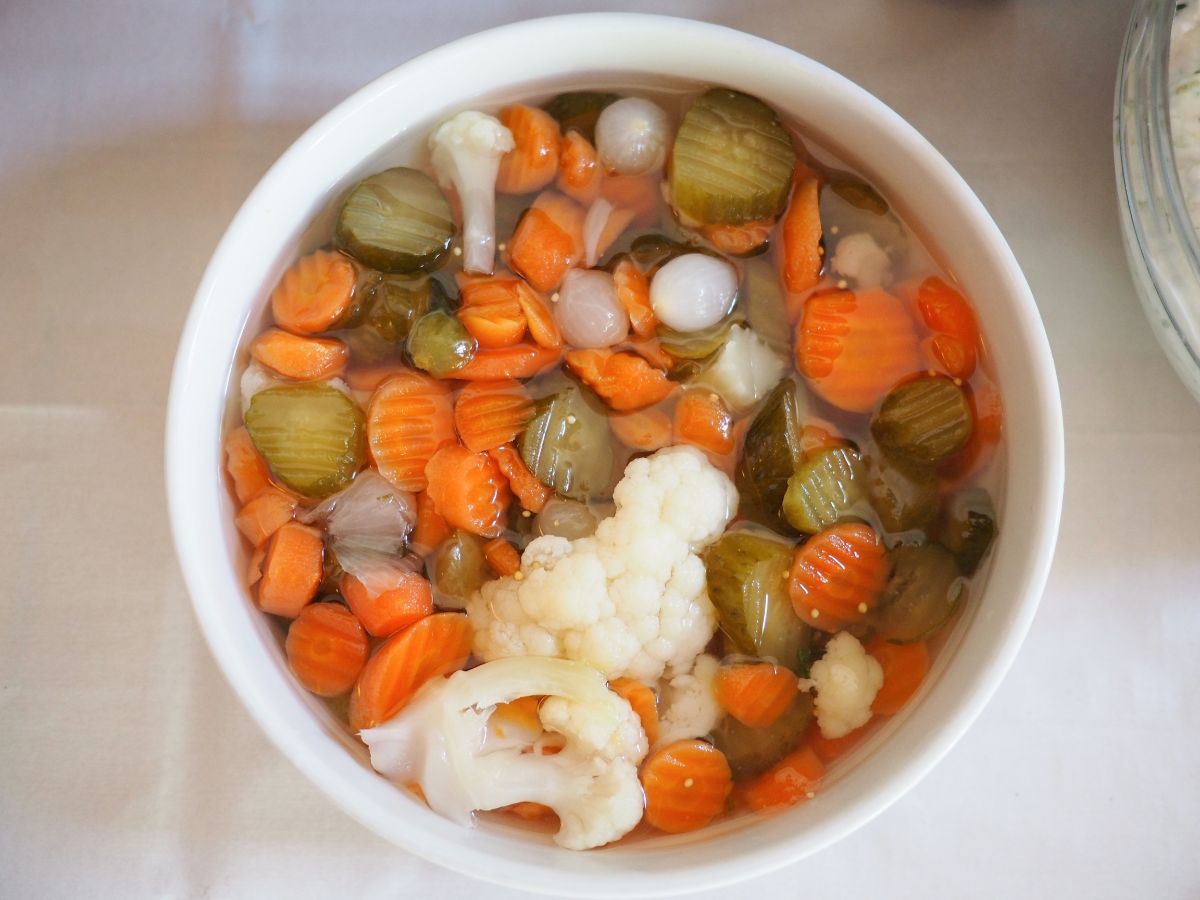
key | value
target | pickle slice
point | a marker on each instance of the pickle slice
(925, 420)
(762, 296)
(397, 220)
(771, 454)
(924, 591)
(970, 528)
(568, 446)
(827, 487)
(457, 570)
(747, 584)
(904, 495)
(311, 435)
(579, 110)
(751, 751)
(696, 344)
(440, 344)
(732, 161)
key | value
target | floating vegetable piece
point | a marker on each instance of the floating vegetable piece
(246, 467)
(826, 488)
(579, 110)
(756, 694)
(311, 436)
(744, 370)
(465, 152)
(969, 529)
(748, 239)
(315, 294)
(531, 494)
(265, 513)
(491, 310)
(955, 335)
(533, 162)
(925, 420)
(904, 495)
(858, 257)
(440, 344)
(490, 413)
(632, 135)
(624, 381)
(641, 697)
(396, 302)
(650, 251)
(579, 171)
(326, 649)
(686, 785)
(588, 312)
(602, 225)
(396, 220)
(457, 570)
(753, 750)
(518, 361)
(568, 446)
(646, 430)
(794, 779)
(291, 570)
(925, 589)
(409, 418)
(406, 600)
(468, 490)
(762, 299)
(703, 420)
(732, 160)
(838, 575)
(299, 358)
(569, 519)
(747, 583)
(548, 241)
(857, 192)
(699, 344)
(771, 452)
(633, 292)
(904, 668)
(693, 291)
(803, 257)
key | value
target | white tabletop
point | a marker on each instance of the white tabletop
(130, 132)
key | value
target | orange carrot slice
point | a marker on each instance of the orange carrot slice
(540, 321)
(955, 334)
(468, 490)
(531, 812)
(838, 575)
(641, 698)
(430, 528)
(687, 784)
(792, 780)
(579, 172)
(502, 556)
(644, 429)
(384, 614)
(490, 413)
(292, 570)
(704, 421)
(830, 749)
(651, 350)
(368, 378)
(436, 645)
(547, 242)
(802, 259)
(739, 240)
(315, 293)
(633, 290)
(409, 417)
(519, 361)
(530, 493)
(254, 570)
(624, 381)
(756, 694)
(269, 511)
(855, 346)
(904, 668)
(245, 465)
(533, 162)
(491, 312)
(300, 358)
(640, 193)
(326, 648)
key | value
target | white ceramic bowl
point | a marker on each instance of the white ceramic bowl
(620, 50)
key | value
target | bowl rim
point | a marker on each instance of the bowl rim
(233, 635)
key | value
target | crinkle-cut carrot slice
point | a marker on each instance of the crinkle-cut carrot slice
(245, 465)
(739, 240)
(633, 290)
(802, 258)
(703, 420)
(468, 490)
(518, 361)
(266, 513)
(533, 162)
(579, 170)
(431, 529)
(548, 241)
(410, 416)
(292, 570)
(326, 648)
(410, 600)
(622, 380)
(792, 780)
(855, 346)
(687, 784)
(530, 493)
(641, 697)
(904, 668)
(838, 575)
(947, 314)
(491, 311)
(490, 413)
(503, 558)
(436, 645)
(300, 358)
(538, 318)
(756, 694)
(315, 293)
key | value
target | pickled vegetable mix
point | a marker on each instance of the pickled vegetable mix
(621, 463)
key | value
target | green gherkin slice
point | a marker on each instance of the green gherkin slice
(579, 110)
(396, 221)
(311, 435)
(762, 296)
(925, 420)
(747, 584)
(924, 591)
(732, 161)
(568, 446)
(751, 751)
(440, 344)
(771, 453)
(457, 570)
(970, 528)
(827, 487)
(904, 495)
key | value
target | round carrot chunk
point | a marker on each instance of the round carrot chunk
(326, 648)
(686, 785)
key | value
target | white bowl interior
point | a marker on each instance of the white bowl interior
(545, 55)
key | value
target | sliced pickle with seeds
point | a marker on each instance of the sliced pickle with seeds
(762, 298)
(751, 751)
(579, 110)
(396, 221)
(970, 528)
(457, 570)
(568, 446)
(440, 344)
(924, 591)
(827, 487)
(904, 495)
(925, 420)
(771, 453)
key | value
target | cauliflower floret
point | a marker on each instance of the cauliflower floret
(629, 600)
(744, 370)
(859, 257)
(846, 679)
(689, 704)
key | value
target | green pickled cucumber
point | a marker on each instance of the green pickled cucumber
(924, 590)
(396, 221)
(970, 528)
(732, 160)
(751, 751)
(651, 251)
(579, 110)
(925, 420)
(827, 487)
(392, 304)
(747, 584)
(904, 495)
(440, 344)
(771, 454)
(457, 570)
(311, 435)
(697, 344)
(568, 446)
(856, 191)
(762, 298)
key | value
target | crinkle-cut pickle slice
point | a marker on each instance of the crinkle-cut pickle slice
(568, 445)
(396, 220)
(925, 420)
(925, 589)
(826, 487)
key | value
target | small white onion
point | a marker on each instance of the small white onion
(632, 136)
(593, 229)
(588, 313)
(693, 291)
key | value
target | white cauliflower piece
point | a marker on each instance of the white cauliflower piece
(744, 370)
(689, 704)
(441, 741)
(631, 599)
(860, 258)
(846, 679)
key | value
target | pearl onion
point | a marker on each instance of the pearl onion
(588, 312)
(632, 136)
(693, 291)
